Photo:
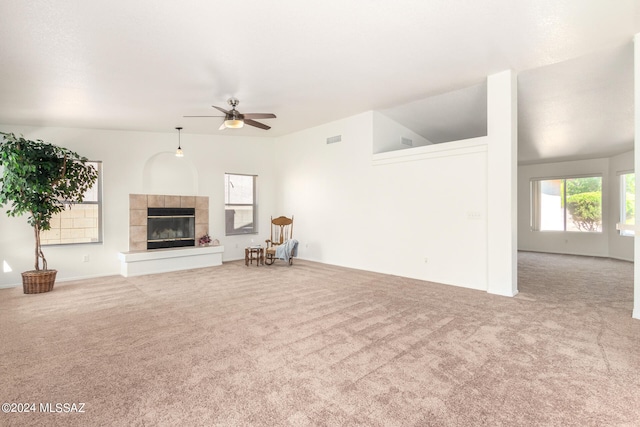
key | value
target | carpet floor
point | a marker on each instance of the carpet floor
(319, 345)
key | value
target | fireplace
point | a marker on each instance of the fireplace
(170, 227)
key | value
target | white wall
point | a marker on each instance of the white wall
(390, 217)
(608, 243)
(636, 155)
(419, 212)
(124, 156)
(164, 173)
(502, 175)
(620, 247)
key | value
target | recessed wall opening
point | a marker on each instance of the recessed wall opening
(452, 116)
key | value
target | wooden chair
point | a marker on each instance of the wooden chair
(281, 232)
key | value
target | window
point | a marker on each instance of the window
(567, 204)
(80, 222)
(240, 204)
(628, 202)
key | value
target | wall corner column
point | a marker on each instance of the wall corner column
(636, 160)
(502, 184)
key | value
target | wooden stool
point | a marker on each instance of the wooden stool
(256, 254)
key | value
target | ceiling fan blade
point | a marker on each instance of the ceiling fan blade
(259, 116)
(202, 116)
(256, 124)
(221, 109)
(222, 126)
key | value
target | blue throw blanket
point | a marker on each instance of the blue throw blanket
(287, 250)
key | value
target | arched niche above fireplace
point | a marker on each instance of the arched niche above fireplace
(164, 173)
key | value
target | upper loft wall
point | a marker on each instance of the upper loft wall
(389, 135)
(577, 109)
(451, 116)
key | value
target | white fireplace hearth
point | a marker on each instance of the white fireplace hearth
(155, 261)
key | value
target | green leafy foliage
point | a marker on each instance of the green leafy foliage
(630, 197)
(41, 179)
(586, 210)
(630, 209)
(584, 185)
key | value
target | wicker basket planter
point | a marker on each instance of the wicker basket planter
(38, 281)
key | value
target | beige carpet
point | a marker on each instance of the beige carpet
(314, 344)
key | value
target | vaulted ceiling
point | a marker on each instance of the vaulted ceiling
(143, 65)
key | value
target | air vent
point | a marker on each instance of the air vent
(334, 139)
(406, 141)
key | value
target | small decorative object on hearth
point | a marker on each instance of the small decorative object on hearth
(204, 240)
(41, 179)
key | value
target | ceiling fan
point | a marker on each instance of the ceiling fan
(234, 119)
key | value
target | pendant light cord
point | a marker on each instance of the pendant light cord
(179, 152)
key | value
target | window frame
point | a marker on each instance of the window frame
(622, 184)
(253, 205)
(535, 215)
(98, 184)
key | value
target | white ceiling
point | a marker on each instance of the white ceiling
(143, 64)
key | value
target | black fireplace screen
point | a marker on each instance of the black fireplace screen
(170, 227)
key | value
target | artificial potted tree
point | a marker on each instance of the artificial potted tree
(41, 179)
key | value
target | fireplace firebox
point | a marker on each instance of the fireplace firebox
(170, 227)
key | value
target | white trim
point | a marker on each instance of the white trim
(627, 227)
(510, 294)
(446, 149)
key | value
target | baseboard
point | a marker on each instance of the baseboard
(574, 254)
(91, 276)
(508, 294)
(621, 258)
(62, 280)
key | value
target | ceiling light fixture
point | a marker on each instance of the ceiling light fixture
(233, 122)
(233, 119)
(179, 152)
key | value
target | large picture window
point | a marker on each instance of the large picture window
(567, 204)
(80, 222)
(240, 204)
(628, 202)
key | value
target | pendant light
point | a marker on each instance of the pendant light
(179, 152)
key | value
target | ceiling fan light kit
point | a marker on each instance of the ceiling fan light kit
(233, 124)
(233, 119)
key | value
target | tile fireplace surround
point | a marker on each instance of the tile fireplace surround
(138, 204)
(139, 260)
